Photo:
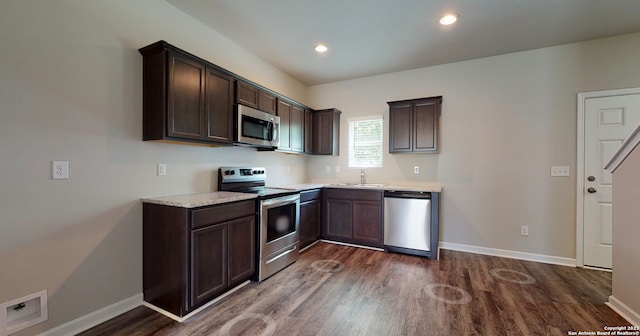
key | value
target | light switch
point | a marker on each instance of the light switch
(559, 170)
(162, 169)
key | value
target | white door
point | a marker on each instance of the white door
(608, 121)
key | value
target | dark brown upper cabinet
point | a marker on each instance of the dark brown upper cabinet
(284, 112)
(414, 125)
(296, 129)
(218, 106)
(308, 131)
(291, 126)
(185, 98)
(252, 96)
(326, 132)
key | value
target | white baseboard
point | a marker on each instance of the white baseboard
(623, 310)
(352, 245)
(309, 246)
(93, 319)
(509, 254)
(205, 306)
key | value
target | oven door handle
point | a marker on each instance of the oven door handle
(281, 255)
(280, 201)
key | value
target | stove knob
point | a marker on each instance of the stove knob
(227, 172)
(233, 172)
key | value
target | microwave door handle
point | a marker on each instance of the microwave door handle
(271, 126)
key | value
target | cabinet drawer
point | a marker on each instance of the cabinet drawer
(352, 194)
(221, 213)
(309, 195)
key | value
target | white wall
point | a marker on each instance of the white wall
(505, 121)
(71, 89)
(626, 230)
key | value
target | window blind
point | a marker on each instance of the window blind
(365, 142)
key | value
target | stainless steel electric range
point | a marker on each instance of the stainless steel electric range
(278, 217)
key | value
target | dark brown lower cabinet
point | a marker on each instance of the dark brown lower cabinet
(209, 260)
(242, 252)
(367, 222)
(191, 256)
(310, 217)
(353, 216)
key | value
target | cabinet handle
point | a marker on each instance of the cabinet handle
(591, 190)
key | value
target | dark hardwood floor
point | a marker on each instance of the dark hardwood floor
(340, 290)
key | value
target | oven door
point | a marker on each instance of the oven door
(280, 220)
(257, 127)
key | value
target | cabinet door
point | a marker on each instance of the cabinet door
(308, 131)
(400, 130)
(296, 129)
(266, 102)
(185, 100)
(323, 133)
(337, 219)
(284, 112)
(367, 223)
(219, 106)
(208, 263)
(242, 250)
(309, 222)
(246, 94)
(425, 126)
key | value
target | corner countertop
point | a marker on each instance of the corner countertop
(430, 187)
(198, 200)
(302, 186)
(387, 187)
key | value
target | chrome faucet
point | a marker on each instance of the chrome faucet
(361, 176)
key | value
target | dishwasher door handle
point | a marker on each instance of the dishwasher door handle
(407, 194)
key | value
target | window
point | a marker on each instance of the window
(365, 142)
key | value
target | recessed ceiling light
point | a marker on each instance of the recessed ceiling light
(449, 19)
(321, 48)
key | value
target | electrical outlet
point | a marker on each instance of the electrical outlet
(416, 169)
(524, 230)
(559, 170)
(337, 169)
(288, 168)
(327, 169)
(60, 170)
(162, 169)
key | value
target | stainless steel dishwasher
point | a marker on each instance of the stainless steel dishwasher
(411, 222)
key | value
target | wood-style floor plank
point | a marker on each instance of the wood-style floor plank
(379, 293)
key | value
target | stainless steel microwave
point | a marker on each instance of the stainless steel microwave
(256, 128)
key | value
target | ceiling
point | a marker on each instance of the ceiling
(370, 37)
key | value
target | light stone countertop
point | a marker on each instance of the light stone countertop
(430, 187)
(198, 200)
(302, 186)
(421, 187)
